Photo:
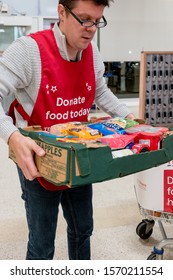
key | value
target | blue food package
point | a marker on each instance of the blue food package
(102, 128)
(115, 127)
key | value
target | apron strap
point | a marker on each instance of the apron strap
(16, 105)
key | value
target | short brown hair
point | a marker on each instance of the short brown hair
(72, 3)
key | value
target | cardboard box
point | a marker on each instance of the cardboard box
(76, 164)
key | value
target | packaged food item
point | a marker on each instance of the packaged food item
(84, 132)
(161, 129)
(117, 141)
(130, 123)
(150, 139)
(100, 120)
(116, 124)
(62, 128)
(122, 153)
(146, 128)
(117, 121)
(138, 148)
(102, 128)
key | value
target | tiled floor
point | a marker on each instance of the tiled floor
(116, 216)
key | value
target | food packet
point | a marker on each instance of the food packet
(118, 141)
(116, 124)
(84, 132)
(63, 128)
(102, 128)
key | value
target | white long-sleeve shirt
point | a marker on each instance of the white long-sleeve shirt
(20, 74)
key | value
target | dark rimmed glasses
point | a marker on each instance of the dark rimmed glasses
(88, 23)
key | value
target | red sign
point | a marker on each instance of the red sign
(168, 191)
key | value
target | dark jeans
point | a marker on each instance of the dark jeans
(42, 209)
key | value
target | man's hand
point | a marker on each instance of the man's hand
(24, 149)
(130, 116)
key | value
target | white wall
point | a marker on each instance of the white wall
(136, 25)
(34, 7)
(133, 25)
(19, 6)
(48, 7)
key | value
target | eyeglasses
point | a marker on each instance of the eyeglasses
(88, 23)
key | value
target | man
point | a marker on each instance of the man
(46, 71)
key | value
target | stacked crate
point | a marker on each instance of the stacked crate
(156, 88)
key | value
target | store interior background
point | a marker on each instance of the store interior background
(133, 26)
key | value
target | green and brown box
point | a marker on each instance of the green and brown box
(76, 164)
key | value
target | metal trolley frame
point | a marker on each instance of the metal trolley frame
(145, 229)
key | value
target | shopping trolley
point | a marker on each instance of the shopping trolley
(154, 193)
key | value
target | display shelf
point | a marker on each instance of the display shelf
(156, 88)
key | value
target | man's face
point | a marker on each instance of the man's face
(77, 36)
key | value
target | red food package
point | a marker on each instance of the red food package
(117, 141)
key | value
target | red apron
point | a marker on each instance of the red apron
(67, 89)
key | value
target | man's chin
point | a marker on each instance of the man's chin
(84, 46)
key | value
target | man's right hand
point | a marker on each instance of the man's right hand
(24, 149)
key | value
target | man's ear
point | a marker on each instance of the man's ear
(61, 12)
